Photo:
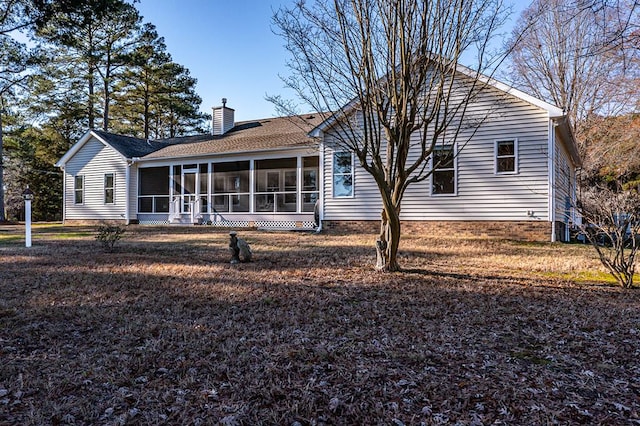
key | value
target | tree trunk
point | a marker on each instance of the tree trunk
(90, 110)
(105, 113)
(388, 241)
(146, 116)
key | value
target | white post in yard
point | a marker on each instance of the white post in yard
(27, 194)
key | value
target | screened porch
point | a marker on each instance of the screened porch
(268, 189)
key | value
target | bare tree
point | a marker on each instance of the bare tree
(611, 151)
(611, 223)
(388, 74)
(575, 54)
(619, 25)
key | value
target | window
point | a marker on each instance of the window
(78, 189)
(443, 179)
(109, 185)
(342, 174)
(506, 152)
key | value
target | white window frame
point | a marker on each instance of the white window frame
(112, 188)
(76, 189)
(334, 174)
(496, 157)
(454, 152)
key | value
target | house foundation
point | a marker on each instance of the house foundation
(538, 231)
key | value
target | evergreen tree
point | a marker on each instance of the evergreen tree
(96, 39)
(138, 89)
(156, 97)
(14, 62)
(32, 153)
(177, 109)
(102, 68)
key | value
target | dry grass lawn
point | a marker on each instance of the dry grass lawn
(165, 331)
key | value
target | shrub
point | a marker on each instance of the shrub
(611, 223)
(109, 235)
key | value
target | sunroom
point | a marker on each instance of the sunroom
(265, 192)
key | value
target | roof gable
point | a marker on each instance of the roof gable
(552, 110)
(128, 146)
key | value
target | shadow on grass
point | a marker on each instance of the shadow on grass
(165, 330)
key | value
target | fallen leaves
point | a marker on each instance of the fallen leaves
(165, 330)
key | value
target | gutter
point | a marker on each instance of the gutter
(228, 153)
(127, 215)
(320, 201)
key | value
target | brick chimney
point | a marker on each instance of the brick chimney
(222, 119)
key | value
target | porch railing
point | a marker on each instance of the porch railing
(185, 204)
(174, 209)
(195, 210)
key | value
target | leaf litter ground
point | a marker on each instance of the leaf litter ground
(165, 331)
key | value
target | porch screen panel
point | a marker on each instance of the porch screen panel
(153, 190)
(276, 185)
(177, 178)
(310, 183)
(204, 186)
(230, 192)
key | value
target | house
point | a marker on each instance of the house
(515, 177)
(261, 173)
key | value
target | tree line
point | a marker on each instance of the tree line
(67, 66)
(584, 56)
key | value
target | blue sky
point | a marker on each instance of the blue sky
(229, 47)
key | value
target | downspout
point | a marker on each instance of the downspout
(552, 178)
(64, 195)
(321, 185)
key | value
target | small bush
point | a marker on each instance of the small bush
(611, 223)
(109, 235)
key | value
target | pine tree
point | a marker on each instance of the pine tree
(156, 97)
(14, 62)
(96, 38)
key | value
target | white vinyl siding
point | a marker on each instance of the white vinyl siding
(481, 193)
(564, 176)
(93, 161)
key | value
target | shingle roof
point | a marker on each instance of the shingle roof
(128, 146)
(247, 136)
